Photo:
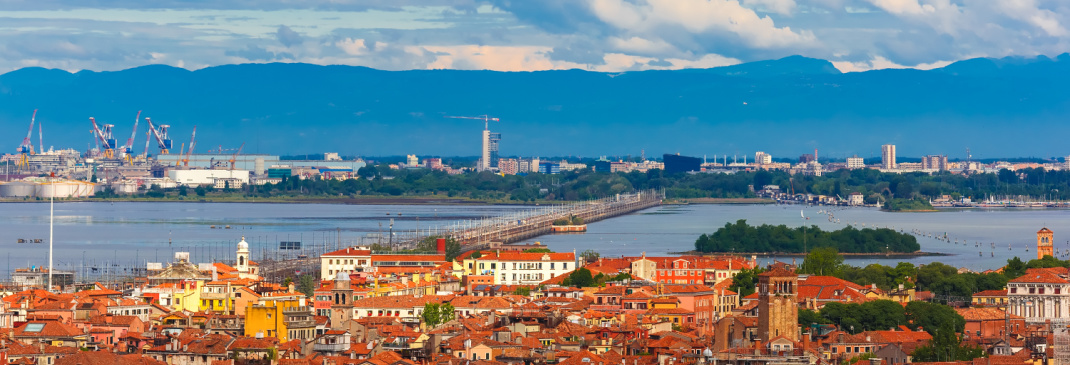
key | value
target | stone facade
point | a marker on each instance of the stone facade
(777, 311)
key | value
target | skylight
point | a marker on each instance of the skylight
(34, 327)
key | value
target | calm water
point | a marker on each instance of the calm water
(129, 233)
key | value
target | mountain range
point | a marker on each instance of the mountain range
(786, 107)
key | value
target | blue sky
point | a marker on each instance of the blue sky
(524, 35)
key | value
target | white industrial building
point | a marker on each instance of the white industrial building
(207, 177)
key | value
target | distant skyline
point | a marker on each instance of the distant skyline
(522, 35)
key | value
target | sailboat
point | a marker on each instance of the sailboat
(803, 215)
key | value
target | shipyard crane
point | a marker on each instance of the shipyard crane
(162, 140)
(485, 118)
(26, 148)
(105, 137)
(192, 143)
(128, 149)
(235, 156)
(181, 152)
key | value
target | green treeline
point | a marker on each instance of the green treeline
(741, 237)
(585, 184)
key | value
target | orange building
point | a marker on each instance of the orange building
(1044, 243)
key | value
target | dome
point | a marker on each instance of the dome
(342, 276)
(243, 246)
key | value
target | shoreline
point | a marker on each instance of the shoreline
(803, 254)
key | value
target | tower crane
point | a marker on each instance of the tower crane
(128, 149)
(192, 143)
(235, 156)
(162, 140)
(489, 150)
(485, 118)
(26, 148)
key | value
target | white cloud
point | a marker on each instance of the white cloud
(698, 16)
(354, 47)
(881, 63)
(641, 45)
(783, 7)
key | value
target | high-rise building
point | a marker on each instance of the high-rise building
(855, 162)
(888, 156)
(934, 162)
(488, 160)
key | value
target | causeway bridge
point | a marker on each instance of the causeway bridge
(477, 234)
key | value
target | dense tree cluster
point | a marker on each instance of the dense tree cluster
(900, 189)
(741, 237)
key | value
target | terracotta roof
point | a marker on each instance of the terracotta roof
(106, 358)
(432, 258)
(48, 329)
(528, 256)
(1039, 276)
(1044, 230)
(778, 272)
(984, 314)
(348, 251)
(399, 301)
(991, 293)
(254, 343)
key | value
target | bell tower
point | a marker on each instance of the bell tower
(777, 307)
(242, 262)
(1045, 242)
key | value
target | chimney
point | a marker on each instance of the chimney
(290, 287)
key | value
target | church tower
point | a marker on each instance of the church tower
(777, 307)
(1045, 241)
(242, 262)
(342, 303)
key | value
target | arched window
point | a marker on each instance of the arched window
(241, 260)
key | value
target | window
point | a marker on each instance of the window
(1041, 291)
(1058, 290)
(1014, 290)
(1032, 290)
(551, 266)
(564, 266)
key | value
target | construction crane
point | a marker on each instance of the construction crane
(181, 152)
(490, 141)
(162, 140)
(485, 118)
(235, 156)
(192, 143)
(105, 136)
(128, 149)
(26, 148)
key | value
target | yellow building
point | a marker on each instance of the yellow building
(285, 317)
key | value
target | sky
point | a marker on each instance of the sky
(524, 35)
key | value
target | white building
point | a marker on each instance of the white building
(348, 260)
(855, 163)
(206, 177)
(855, 199)
(521, 268)
(412, 161)
(1040, 295)
(888, 157)
(763, 158)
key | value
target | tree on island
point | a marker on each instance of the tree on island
(741, 237)
(822, 261)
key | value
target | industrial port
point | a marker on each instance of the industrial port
(34, 172)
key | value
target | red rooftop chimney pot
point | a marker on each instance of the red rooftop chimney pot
(441, 242)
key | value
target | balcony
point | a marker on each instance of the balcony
(298, 310)
(334, 347)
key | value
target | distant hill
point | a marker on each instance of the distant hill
(997, 107)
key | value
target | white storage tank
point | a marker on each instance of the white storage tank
(63, 189)
(17, 189)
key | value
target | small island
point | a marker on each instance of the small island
(908, 205)
(743, 238)
(570, 224)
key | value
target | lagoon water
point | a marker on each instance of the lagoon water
(135, 233)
